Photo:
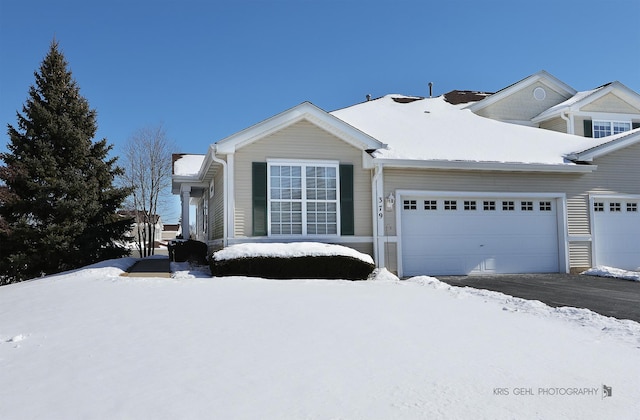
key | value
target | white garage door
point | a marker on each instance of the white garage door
(617, 232)
(444, 235)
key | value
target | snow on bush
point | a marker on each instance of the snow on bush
(288, 250)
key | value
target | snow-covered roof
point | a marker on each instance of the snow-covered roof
(187, 165)
(541, 76)
(304, 111)
(577, 98)
(613, 143)
(583, 98)
(432, 129)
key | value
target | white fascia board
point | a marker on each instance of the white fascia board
(617, 88)
(485, 166)
(177, 182)
(542, 75)
(305, 110)
(627, 140)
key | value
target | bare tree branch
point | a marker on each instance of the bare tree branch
(147, 157)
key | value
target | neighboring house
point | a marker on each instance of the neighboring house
(139, 226)
(534, 178)
(170, 231)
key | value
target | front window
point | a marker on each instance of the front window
(303, 199)
(607, 128)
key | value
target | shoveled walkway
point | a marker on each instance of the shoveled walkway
(150, 267)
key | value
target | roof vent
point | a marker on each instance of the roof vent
(368, 97)
(430, 89)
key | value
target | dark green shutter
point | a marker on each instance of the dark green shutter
(347, 219)
(635, 125)
(259, 198)
(588, 128)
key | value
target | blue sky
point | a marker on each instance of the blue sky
(207, 69)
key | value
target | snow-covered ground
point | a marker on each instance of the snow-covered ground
(91, 344)
(604, 271)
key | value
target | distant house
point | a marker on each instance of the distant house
(536, 177)
(140, 225)
(170, 231)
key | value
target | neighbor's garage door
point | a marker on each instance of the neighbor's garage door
(478, 235)
(617, 232)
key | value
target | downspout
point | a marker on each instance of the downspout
(569, 121)
(377, 172)
(225, 193)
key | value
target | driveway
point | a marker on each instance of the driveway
(606, 296)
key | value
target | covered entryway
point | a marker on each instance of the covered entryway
(461, 234)
(616, 232)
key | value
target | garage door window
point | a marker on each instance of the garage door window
(430, 205)
(526, 206)
(508, 206)
(450, 205)
(545, 206)
(615, 207)
(598, 207)
(489, 205)
(410, 205)
(469, 205)
(632, 207)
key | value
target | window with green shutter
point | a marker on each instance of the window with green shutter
(259, 198)
(302, 198)
(347, 216)
(588, 128)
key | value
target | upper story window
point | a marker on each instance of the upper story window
(608, 128)
(303, 199)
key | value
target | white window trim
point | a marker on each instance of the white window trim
(303, 163)
(611, 122)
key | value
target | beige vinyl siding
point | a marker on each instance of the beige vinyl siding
(618, 173)
(610, 103)
(556, 124)
(578, 128)
(521, 105)
(302, 140)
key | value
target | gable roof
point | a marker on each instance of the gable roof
(541, 76)
(432, 132)
(304, 111)
(613, 143)
(580, 99)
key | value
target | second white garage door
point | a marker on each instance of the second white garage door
(616, 233)
(469, 235)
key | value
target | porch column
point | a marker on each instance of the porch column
(185, 194)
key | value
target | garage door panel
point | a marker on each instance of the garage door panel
(617, 232)
(479, 241)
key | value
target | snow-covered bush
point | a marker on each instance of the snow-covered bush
(291, 261)
(190, 250)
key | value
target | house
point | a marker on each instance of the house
(536, 177)
(170, 231)
(139, 229)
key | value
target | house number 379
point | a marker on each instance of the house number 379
(380, 207)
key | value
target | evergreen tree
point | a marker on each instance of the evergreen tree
(58, 202)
